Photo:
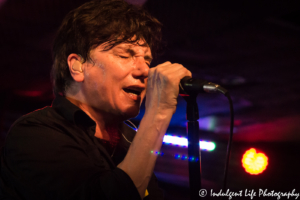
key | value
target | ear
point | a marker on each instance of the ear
(75, 67)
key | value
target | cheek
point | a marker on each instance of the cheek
(102, 67)
(92, 81)
(119, 73)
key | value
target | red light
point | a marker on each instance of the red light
(254, 163)
(33, 93)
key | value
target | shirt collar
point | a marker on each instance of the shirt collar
(78, 117)
(72, 113)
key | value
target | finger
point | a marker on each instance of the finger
(164, 64)
(176, 70)
(189, 73)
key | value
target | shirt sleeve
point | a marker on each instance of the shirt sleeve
(155, 193)
(39, 162)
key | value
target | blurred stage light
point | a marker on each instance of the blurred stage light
(182, 141)
(254, 163)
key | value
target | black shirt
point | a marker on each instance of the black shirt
(52, 154)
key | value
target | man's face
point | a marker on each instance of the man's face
(115, 80)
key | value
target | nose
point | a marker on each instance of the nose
(141, 69)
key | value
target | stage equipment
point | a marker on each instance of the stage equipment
(189, 89)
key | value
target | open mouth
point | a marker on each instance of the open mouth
(133, 91)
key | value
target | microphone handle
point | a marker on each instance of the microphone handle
(189, 86)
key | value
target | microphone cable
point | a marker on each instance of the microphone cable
(229, 144)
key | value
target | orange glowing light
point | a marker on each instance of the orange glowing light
(254, 163)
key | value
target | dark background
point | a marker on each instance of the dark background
(252, 48)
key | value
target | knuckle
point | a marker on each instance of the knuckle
(159, 70)
(164, 64)
(177, 64)
(181, 65)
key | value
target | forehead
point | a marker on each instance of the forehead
(139, 46)
(133, 49)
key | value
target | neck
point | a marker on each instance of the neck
(105, 128)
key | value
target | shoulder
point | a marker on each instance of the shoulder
(43, 115)
(44, 124)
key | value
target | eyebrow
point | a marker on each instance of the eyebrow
(132, 52)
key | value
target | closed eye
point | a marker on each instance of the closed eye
(123, 56)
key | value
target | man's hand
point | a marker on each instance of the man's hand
(163, 86)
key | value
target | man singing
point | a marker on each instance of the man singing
(80, 148)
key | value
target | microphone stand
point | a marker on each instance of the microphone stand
(189, 89)
(194, 153)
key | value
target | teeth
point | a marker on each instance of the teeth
(132, 93)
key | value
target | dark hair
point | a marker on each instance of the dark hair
(97, 22)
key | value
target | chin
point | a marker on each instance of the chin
(131, 113)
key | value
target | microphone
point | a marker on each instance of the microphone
(189, 86)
